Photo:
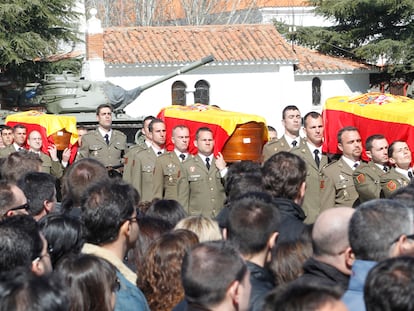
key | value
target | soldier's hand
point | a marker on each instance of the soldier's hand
(66, 155)
(53, 152)
(220, 163)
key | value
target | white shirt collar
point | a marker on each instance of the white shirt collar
(290, 140)
(350, 162)
(403, 171)
(103, 132)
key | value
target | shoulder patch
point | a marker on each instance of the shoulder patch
(391, 185)
(360, 178)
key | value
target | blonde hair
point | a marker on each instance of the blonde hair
(205, 228)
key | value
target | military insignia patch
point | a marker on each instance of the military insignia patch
(192, 169)
(322, 184)
(391, 185)
(360, 178)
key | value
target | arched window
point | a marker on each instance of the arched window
(178, 93)
(316, 91)
(202, 93)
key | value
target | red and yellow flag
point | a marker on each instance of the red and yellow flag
(371, 113)
(221, 122)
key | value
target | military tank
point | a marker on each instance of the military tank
(68, 94)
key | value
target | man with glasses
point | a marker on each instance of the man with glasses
(109, 216)
(378, 229)
(169, 165)
(12, 200)
(201, 189)
(22, 245)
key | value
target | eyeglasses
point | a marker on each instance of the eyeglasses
(409, 237)
(25, 206)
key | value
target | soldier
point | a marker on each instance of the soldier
(271, 132)
(367, 175)
(104, 144)
(19, 140)
(337, 186)
(168, 166)
(400, 175)
(144, 142)
(311, 153)
(51, 164)
(143, 162)
(292, 122)
(7, 135)
(200, 189)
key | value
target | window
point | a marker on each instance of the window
(316, 92)
(202, 93)
(178, 93)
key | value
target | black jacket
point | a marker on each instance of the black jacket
(292, 217)
(320, 273)
(262, 281)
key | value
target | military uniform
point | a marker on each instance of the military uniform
(54, 168)
(201, 191)
(312, 201)
(337, 185)
(5, 152)
(128, 159)
(94, 146)
(367, 181)
(142, 171)
(166, 174)
(391, 181)
(275, 146)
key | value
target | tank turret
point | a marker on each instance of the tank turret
(67, 93)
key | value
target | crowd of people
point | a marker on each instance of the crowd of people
(144, 228)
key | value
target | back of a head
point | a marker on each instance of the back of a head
(390, 285)
(38, 187)
(80, 176)
(105, 206)
(90, 281)
(206, 228)
(283, 175)
(21, 290)
(19, 163)
(208, 270)
(63, 234)
(303, 297)
(375, 225)
(405, 195)
(7, 197)
(169, 210)
(330, 231)
(252, 221)
(20, 242)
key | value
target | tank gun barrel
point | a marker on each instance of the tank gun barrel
(189, 67)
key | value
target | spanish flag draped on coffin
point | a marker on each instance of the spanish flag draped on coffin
(371, 113)
(51, 127)
(252, 129)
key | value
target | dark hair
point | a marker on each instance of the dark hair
(343, 130)
(313, 115)
(271, 128)
(392, 146)
(63, 234)
(251, 222)
(148, 118)
(300, 297)
(154, 121)
(390, 285)
(19, 163)
(90, 281)
(19, 126)
(287, 108)
(375, 225)
(208, 270)
(202, 129)
(168, 210)
(98, 110)
(404, 195)
(21, 290)
(159, 275)
(7, 198)
(78, 177)
(370, 140)
(37, 188)
(20, 242)
(283, 175)
(105, 207)
(6, 127)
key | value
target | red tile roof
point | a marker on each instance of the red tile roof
(314, 61)
(178, 44)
